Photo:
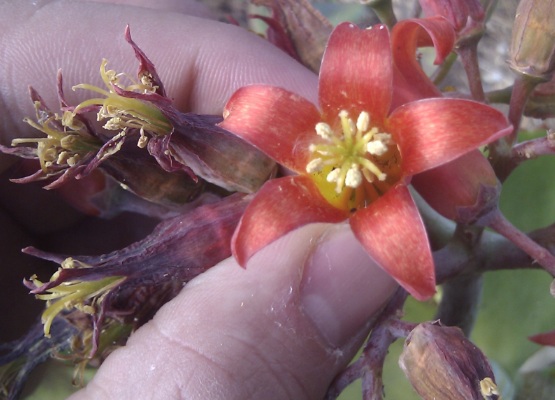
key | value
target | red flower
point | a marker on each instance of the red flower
(465, 15)
(354, 157)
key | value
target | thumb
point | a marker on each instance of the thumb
(281, 328)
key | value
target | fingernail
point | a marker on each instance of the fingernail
(342, 287)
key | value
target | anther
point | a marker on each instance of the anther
(363, 122)
(324, 130)
(353, 179)
(315, 165)
(376, 148)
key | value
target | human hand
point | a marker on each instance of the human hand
(287, 324)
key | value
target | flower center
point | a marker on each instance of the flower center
(66, 142)
(122, 112)
(355, 164)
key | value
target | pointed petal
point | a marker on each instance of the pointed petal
(406, 37)
(432, 132)
(281, 206)
(392, 232)
(278, 122)
(146, 67)
(357, 72)
(544, 339)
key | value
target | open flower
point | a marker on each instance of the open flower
(355, 155)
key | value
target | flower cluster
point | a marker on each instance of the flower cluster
(415, 172)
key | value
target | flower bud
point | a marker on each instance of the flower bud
(466, 16)
(298, 29)
(441, 363)
(532, 50)
(464, 190)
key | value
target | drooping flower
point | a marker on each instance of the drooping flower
(178, 141)
(131, 284)
(137, 112)
(297, 28)
(466, 16)
(355, 155)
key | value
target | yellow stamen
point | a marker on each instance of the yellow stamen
(357, 155)
(122, 113)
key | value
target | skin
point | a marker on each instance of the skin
(281, 328)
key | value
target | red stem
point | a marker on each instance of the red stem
(540, 254)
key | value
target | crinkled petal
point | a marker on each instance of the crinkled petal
(278, 122)
(432, 132)
(392, 232)
(146, 67)
(406, 37)
(281, 206)
(357, 72)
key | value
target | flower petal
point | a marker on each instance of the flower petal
(392, 232)
(544, 339)
(282, 205)
(432, 132)
(278, 122)
(406, 37)
(357, 72)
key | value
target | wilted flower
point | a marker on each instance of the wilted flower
(138, 110)
(69, 146)
(466, 16)
(298, 29)
(129, 285)
(179, 141)
(441, 363)
(355, 157)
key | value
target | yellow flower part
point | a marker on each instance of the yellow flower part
(355, 164)
(82, 295)
(66, 141)
(122, 113)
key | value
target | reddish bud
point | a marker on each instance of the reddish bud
(464, 190)
(466, 16)
(441, 363)
(533, 42)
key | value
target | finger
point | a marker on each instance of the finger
(189, 7)
(282, 328)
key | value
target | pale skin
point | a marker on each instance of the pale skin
(280, 329)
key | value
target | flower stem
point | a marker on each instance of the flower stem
(501, 150)
(534, 148)
(384, 11)
(460, 301)
(443, 70)
(502, 96)
(540, 254)
(468, 52)
(386, 328)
